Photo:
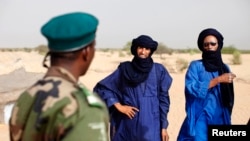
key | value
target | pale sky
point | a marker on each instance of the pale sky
(175, 23)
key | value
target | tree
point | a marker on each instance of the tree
(163, 49)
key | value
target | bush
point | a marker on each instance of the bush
(121, 54)
(228, 50)
(181, 64)
(42, 49)
(236, 58)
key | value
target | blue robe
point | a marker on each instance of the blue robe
(151, 97)
(203, 106)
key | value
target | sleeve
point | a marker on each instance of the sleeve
(20, 115)
(108, 89)
(164, 86)
(196, 80)
(91, 127)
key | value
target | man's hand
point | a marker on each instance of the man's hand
(130, 111)
(227, 78)
(164, 135)
(224, 78)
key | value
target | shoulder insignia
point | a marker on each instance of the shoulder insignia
(92, 99)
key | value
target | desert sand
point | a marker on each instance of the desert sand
(105, 62)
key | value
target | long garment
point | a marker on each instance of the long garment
(151, 97)
(203, 106)
(58, 108)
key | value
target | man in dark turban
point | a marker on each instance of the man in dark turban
(209, 89)
(137, 95)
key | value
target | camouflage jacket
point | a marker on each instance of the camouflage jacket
(58, 108)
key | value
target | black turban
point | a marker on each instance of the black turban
(143, 41)
(205, 33)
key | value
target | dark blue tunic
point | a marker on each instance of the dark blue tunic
(150, 97)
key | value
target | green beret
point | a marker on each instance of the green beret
(70, 32)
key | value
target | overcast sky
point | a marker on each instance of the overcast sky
(175, 23)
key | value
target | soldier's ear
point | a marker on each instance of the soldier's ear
(88, 51)
(85, 53)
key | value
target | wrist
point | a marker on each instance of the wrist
(117, 105)
(218, 80)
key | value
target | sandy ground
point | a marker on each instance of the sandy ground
(105, 62)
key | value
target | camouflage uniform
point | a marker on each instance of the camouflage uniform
(58, 108)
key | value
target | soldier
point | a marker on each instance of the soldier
(57, 107)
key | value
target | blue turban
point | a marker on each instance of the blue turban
(205, 33)
(143, 41)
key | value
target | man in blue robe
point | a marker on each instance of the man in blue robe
(137, 95)
(209, 89)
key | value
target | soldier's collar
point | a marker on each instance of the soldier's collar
(61, 72)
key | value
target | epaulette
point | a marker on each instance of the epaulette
(92, 99)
